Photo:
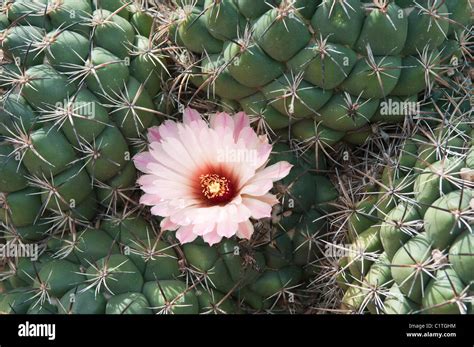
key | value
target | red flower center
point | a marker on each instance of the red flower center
(216, 189)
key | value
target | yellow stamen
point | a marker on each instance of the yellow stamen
(214, 186)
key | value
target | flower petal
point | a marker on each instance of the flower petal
(203, 228)
(245, 230)
(185, 234)
(222, 121)
(271, 173)
(258, 188)
(167, 224)
(168, 129)
(142, 160)
(241, 121)
(150, 199)
(154, 134)
(212, 238)
(190, 115)
(226, 228)
(258, 208)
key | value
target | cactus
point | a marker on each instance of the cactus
(127, 266)
(70, 122)
(84, 80)
(412, 236)
(121, 262)
(109, 257)
(79, 83)
(324, 69)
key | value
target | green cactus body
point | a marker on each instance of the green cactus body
(425, 233)
(79, 93)
(359, 54)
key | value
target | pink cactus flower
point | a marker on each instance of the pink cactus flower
(208, 179)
